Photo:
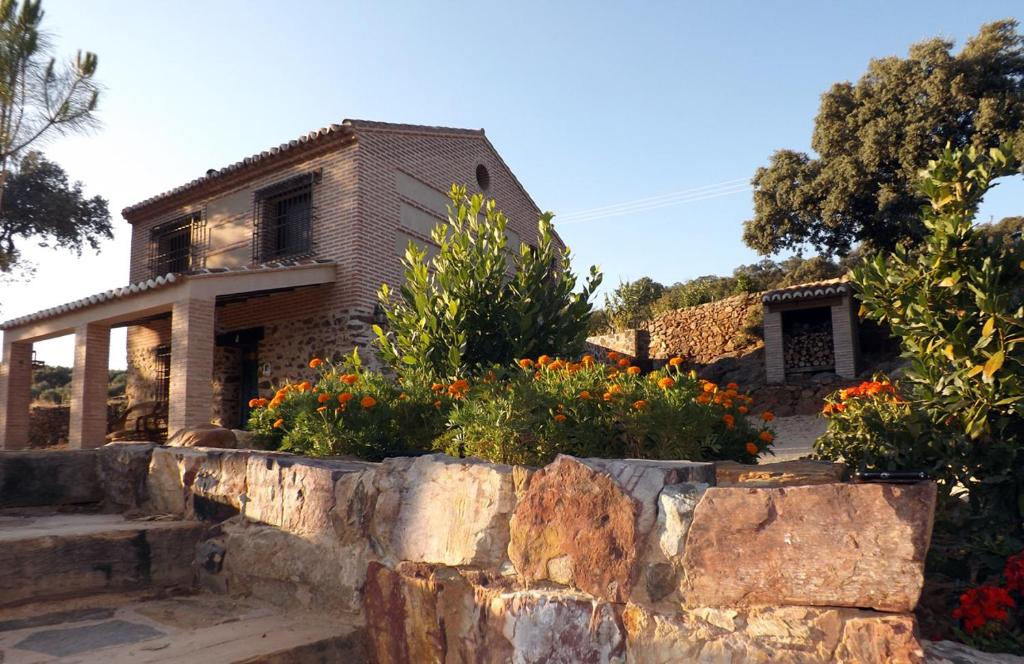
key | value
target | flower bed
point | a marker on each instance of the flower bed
(524, 414)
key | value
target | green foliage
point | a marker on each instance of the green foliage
(630, 305)
(872, 137)
(38, 98)
(460, 311)
(521, 414)
(53, 384)
(349, 411)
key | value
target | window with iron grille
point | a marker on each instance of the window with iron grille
(178, 246)
(163, 374)
(283, 219)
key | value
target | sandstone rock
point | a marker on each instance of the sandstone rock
(123, 471)
(783, 473)
(317, 574)
(858, 545)
(770, 635)
(584, 522)
(203, 435)
(423, 613)
(950, 652)
(208, 484)
(437, 509)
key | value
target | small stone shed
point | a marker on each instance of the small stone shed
(811, 328)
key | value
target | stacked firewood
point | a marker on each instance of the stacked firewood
(809, 346)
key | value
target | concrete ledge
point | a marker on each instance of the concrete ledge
(58, 477)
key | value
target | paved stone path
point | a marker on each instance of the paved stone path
(795, 436)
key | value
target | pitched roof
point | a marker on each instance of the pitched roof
(147, 285)
(810, 290)
(331, 132)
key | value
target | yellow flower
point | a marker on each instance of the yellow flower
(278, 424)
(752, 449)
(315, 362)
(368, 402)
(632, 371)
(666, 382)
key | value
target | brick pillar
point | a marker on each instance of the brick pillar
(192, 343)
(774, 355)
(87, 426)
(844, 338)
(15, 394)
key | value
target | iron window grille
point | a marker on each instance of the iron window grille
(162, 391)
(283, 216)
(178, 246)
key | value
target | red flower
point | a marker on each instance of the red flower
(1014, 572)
(980, 605)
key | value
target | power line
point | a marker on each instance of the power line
(656, 202)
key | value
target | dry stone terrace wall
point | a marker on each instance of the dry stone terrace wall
(704, 333)
(584, 560)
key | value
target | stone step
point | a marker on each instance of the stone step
(187, 629)
(48, 554)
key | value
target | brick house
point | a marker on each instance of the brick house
(239, 276)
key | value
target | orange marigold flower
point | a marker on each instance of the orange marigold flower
(633, 371)
(703, 399)
(254, 403)
(615, 389)
(322, 398)
(840, 407)
(827, 409)
(752, 449)
(666, 382)
(349, 379)
(345, 397)
(607, 396)
(675, 361)
(459, 388)
(743, 409)
(639, 404)
(729, 420)
(436, 387)
(584, 395)
(560, 418)
(587, 360)
(732, 386)
(766, 436)
(623, 363)
(315, 362)
(544, 360)
(437, 404)
(321, 409)
(767, 416)
(402, 396)
(305, 386)
(556, 365)
(612, 355)
(278, 424)
(709, 386)
(276, 401)
(367, 402)
(526, 363)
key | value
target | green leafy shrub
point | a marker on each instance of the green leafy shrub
(629, 306)
(460, 311)
(550, 406)
(527, 413)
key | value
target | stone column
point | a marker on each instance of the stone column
(87, 425)
(774, 355)
(192, 343)
(844, 338)
(15, 394)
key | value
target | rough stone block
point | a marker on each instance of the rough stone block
(123, 472)
(783, 473)
(438, 509)
(857, 545)
(423, 613)
(585, 522)
(207, 484)
(771, 635)
(53, 477)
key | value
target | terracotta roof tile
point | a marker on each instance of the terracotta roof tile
(810, 290)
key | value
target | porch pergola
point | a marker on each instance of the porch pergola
(190, 299)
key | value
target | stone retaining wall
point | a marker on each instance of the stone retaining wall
(584, 560)
(706, 332)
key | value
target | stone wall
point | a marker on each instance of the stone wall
(48, 425)
(631, 343)
(584, 560)
(706, 332)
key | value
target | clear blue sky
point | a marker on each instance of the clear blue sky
(591, 104)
